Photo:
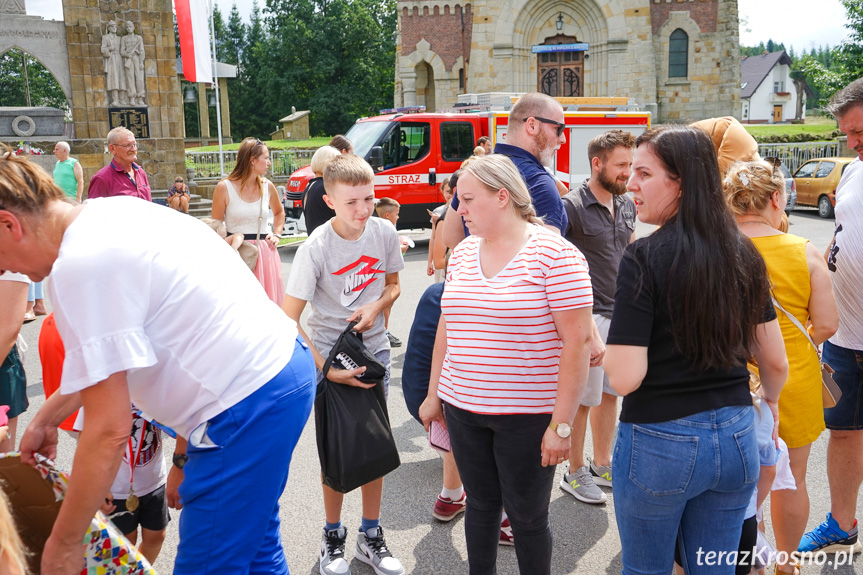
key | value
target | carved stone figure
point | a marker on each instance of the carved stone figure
(132, 50)
(115, 80)
(12, 7)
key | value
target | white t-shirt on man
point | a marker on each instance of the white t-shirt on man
(845, 259)
(155, 293)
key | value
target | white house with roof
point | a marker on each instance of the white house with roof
(767, 93)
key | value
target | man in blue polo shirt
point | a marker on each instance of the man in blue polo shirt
(122, 177)
(535, 132)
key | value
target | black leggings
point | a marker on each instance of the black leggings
(498, 458)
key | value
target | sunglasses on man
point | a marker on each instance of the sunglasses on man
(559, 126)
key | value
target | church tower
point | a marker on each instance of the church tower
(677, 58)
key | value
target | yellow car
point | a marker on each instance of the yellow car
(817, 181)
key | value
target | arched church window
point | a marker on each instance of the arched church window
(678, 54)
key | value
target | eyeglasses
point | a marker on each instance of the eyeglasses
(558, 125)
(128, 146)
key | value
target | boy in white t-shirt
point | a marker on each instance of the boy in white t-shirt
(348, 271)
(139, 490)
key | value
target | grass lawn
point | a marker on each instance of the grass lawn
(292, 240)
(272, 144)
(815, 125)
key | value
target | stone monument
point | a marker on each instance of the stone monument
(123, 73)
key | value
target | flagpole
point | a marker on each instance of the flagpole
(216, 84)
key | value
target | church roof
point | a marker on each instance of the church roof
(754, 69)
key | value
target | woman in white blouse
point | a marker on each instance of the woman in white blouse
(243, 201)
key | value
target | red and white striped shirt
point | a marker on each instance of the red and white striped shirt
(503, 351)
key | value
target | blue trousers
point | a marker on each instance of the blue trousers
(230, 493)
(688, 480)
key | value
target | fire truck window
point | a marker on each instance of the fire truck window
(407, 144)
(456, 140)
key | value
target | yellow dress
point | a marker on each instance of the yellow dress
(801, 412)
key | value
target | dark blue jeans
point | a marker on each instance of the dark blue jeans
(498, 458)
(848, 364)
(688, 480)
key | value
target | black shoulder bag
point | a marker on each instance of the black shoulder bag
(352, 425)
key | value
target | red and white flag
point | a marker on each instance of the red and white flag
(193, 26)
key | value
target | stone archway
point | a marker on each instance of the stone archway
(37, 73)
(599, 26)
(425, 86)
(45, 40)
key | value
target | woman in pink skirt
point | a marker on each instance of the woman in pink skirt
(242, 201)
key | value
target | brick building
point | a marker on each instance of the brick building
(678, 58)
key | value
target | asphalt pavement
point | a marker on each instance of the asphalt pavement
(585, 536)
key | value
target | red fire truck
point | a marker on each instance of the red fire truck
(412, 151)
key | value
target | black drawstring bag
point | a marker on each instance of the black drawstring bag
(352, 425)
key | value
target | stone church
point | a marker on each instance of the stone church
(676, 58)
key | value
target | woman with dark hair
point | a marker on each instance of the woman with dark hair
(242, 201)
(692, 305)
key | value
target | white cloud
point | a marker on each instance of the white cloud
(798, 23)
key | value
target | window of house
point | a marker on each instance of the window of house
(456, 140)
(461, 79)
(678, 54)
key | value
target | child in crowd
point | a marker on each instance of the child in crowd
(218, 226)
(348, 271)
(388, 209)
(437, 249)
(138, 490)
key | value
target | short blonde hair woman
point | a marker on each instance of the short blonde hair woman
(510, 362)
(315, 209)
(802, 286)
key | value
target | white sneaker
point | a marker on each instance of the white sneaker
(332, 555)
(372, 549)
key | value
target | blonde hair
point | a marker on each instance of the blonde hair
(323, 156)
(386, 206)
(10, 542)
(496, 172)
(24, 186)
(349, 170)
(479, 151)
(749, 186)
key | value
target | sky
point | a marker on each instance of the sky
(798, 23)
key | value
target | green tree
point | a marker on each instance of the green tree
(828, 70)
(235, 37)
(334, 57)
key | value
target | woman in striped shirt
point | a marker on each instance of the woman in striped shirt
(510, 362)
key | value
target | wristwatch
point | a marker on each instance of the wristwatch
(562, 429)
(180, 460)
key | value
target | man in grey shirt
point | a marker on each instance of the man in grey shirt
(601, 224)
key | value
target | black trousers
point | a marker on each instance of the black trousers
(498, 458)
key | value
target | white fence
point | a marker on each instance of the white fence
(793, 155)
(284, 162)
